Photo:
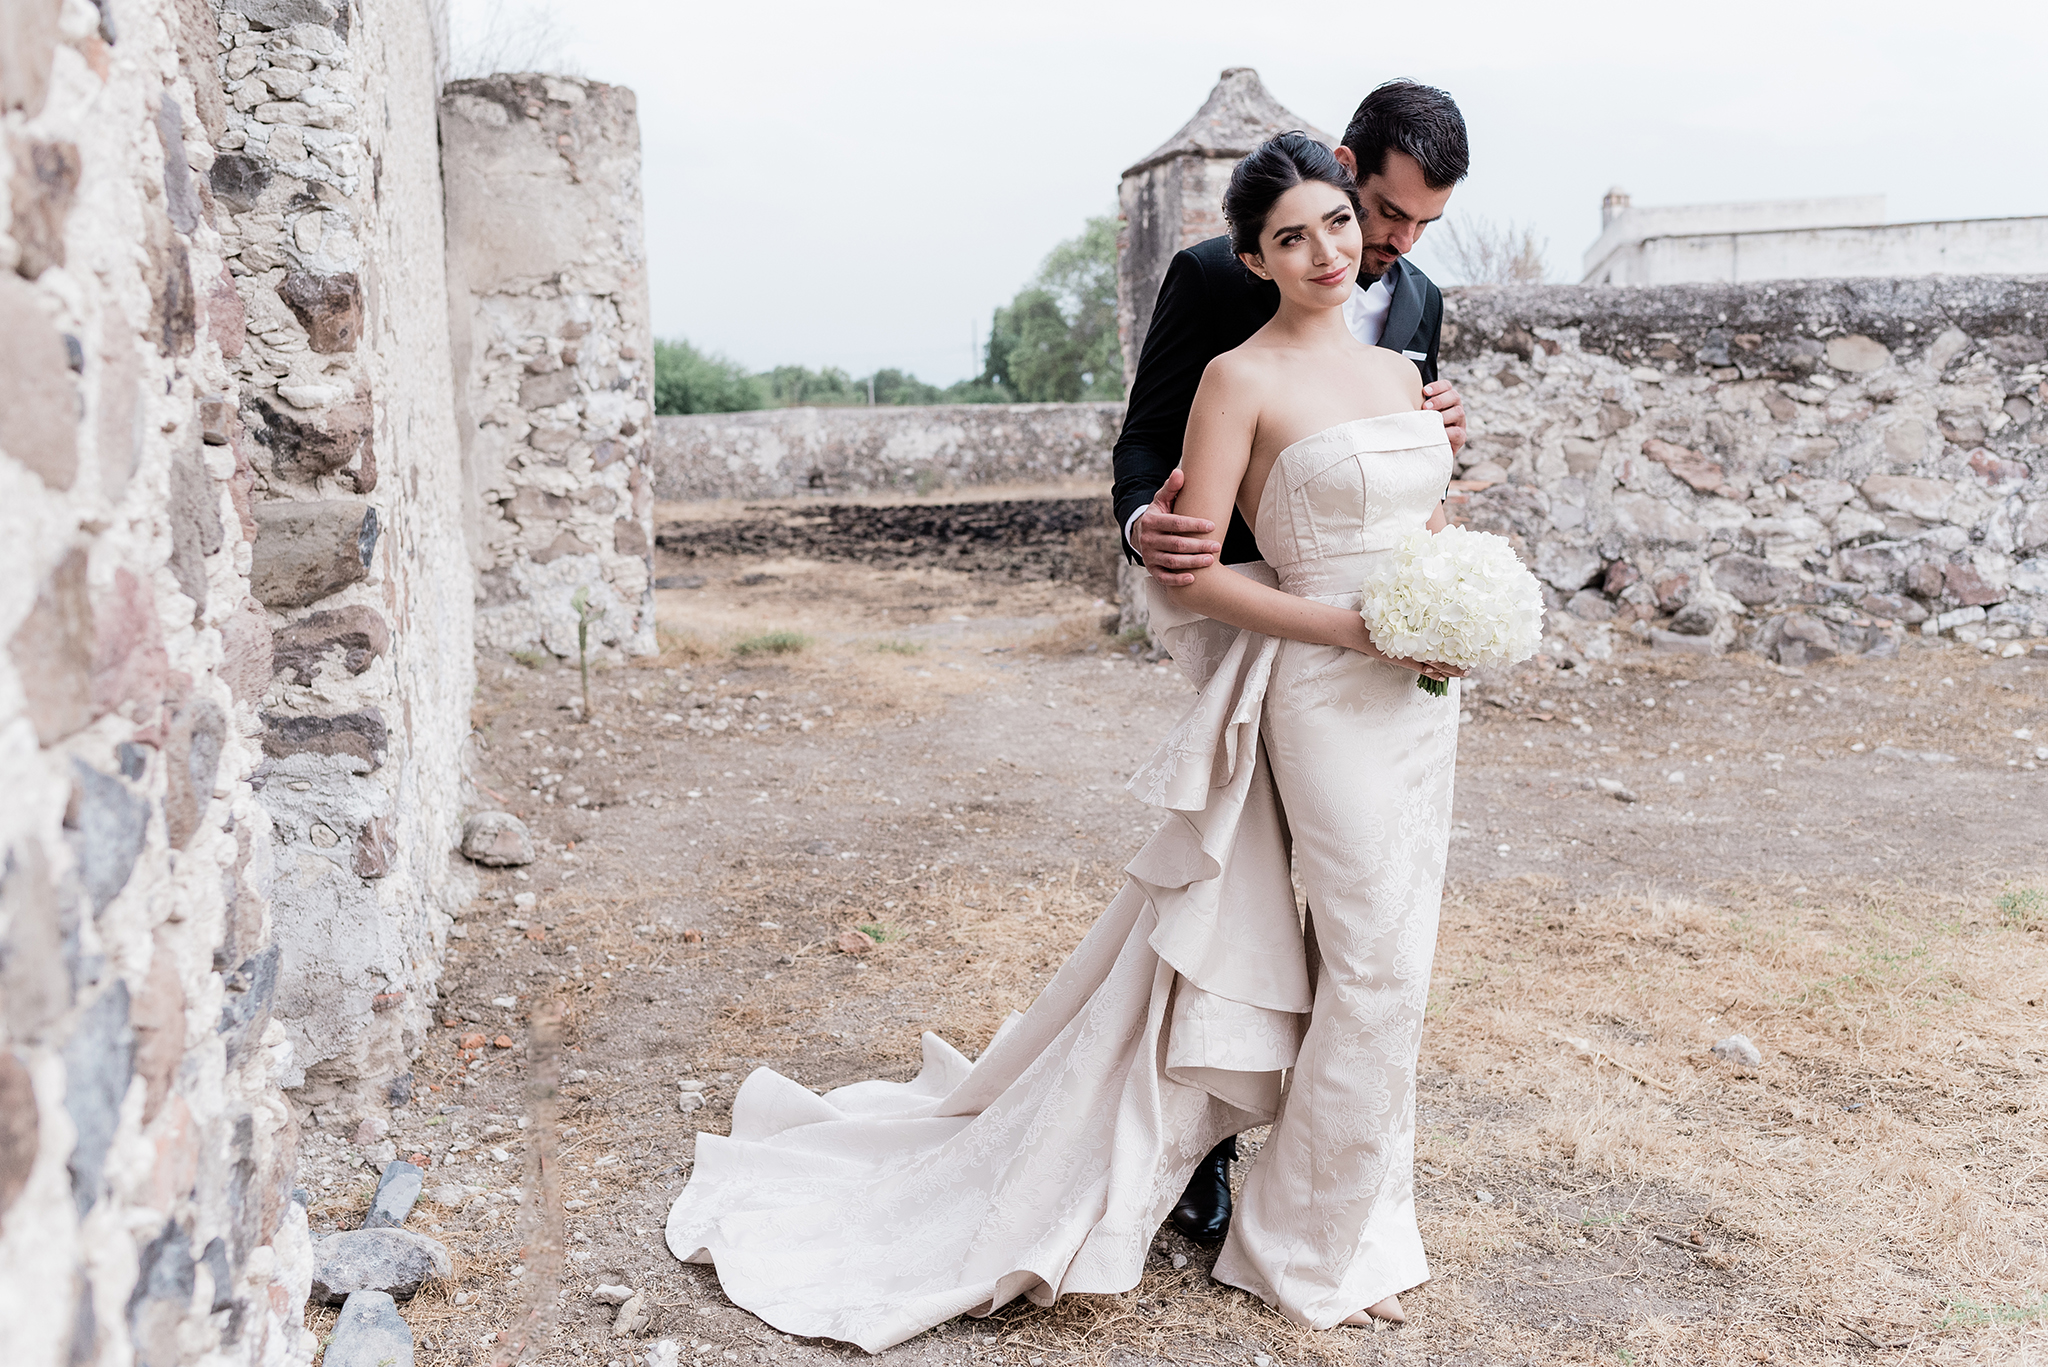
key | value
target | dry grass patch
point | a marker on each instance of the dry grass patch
(960, 951)
(1886, 1165)
(1082, 633)
(1879, 1178)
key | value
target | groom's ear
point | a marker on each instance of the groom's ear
(1347, 159)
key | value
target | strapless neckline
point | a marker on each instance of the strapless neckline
(1408, 413)
(1406, 416)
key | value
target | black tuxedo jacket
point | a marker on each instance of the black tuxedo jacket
(1208, 304)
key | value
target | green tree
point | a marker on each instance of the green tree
(899, 387)
(1081, 273)
(976, 390)
(1041, 356)
(795, 386)
(1056, 341)
(687, 380)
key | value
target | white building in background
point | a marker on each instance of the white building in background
(1801, 239)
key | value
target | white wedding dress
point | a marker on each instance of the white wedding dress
(1187, 1014)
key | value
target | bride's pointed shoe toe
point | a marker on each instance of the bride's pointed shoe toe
(1387, 1311)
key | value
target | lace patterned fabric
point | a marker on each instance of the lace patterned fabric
(1188, 1012)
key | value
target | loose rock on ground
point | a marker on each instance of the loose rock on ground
(396, 1261)
(370, 1333)
(397, 1189)
(497, 840)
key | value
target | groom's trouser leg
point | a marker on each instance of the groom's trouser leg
(1325, 1224)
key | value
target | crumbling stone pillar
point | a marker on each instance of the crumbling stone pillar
(554, 355)
(328, 189)
(1169, 201)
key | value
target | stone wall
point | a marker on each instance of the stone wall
(792, 452)
(327, 189)
(554, 356)
(1166, 207)
(233, 506)
(1801, 468)
(146, 1150)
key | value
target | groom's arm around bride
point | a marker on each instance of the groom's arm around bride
(1406, 146)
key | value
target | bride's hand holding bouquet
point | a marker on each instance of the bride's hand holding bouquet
(1451, 601)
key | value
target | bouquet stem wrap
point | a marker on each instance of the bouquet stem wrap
(1455, 597)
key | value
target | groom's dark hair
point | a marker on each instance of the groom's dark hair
(1420, 120)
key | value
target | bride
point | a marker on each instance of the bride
(1202, 1003)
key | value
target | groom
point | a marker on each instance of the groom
(1406, 147)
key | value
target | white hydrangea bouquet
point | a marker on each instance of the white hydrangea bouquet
(1454, 597)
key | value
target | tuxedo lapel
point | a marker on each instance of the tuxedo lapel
(1404, 311)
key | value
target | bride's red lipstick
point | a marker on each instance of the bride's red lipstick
(1335, 277)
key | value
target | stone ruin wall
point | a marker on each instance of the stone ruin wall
(237, 670)
(327, 189)
(1173, 197)
(785, 453)
(1801, 468)
(146, 1150)
(554, 354)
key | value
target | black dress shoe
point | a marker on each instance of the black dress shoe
(1203, 1212)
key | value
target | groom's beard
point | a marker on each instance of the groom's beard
(1377, 261)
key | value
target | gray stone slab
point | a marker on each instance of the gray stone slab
(397, 1189)
(369, 1333)
(99, 1058)
(109, 824)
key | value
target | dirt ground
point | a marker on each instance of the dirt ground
(937, 756)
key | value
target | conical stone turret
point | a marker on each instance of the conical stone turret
(1173, 197)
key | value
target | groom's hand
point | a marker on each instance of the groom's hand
(1171, 545)
(1439, 395)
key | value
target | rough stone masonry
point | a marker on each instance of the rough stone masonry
(939, 450)
(146, 1149)
(326, 189)
(555, 356)
(1803, 468)
(239, 527)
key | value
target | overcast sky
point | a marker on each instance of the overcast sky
(859, 185)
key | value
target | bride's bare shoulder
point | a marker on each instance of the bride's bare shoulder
(1396, 369)
(1240, 370)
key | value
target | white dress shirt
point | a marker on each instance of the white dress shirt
(1365, 313)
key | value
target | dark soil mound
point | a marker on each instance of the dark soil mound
(1060, 538)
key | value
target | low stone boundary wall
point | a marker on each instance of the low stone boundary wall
(788, 452)
(1801, 467)
(1016, 539)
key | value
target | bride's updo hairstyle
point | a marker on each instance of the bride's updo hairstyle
(1275, 167)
